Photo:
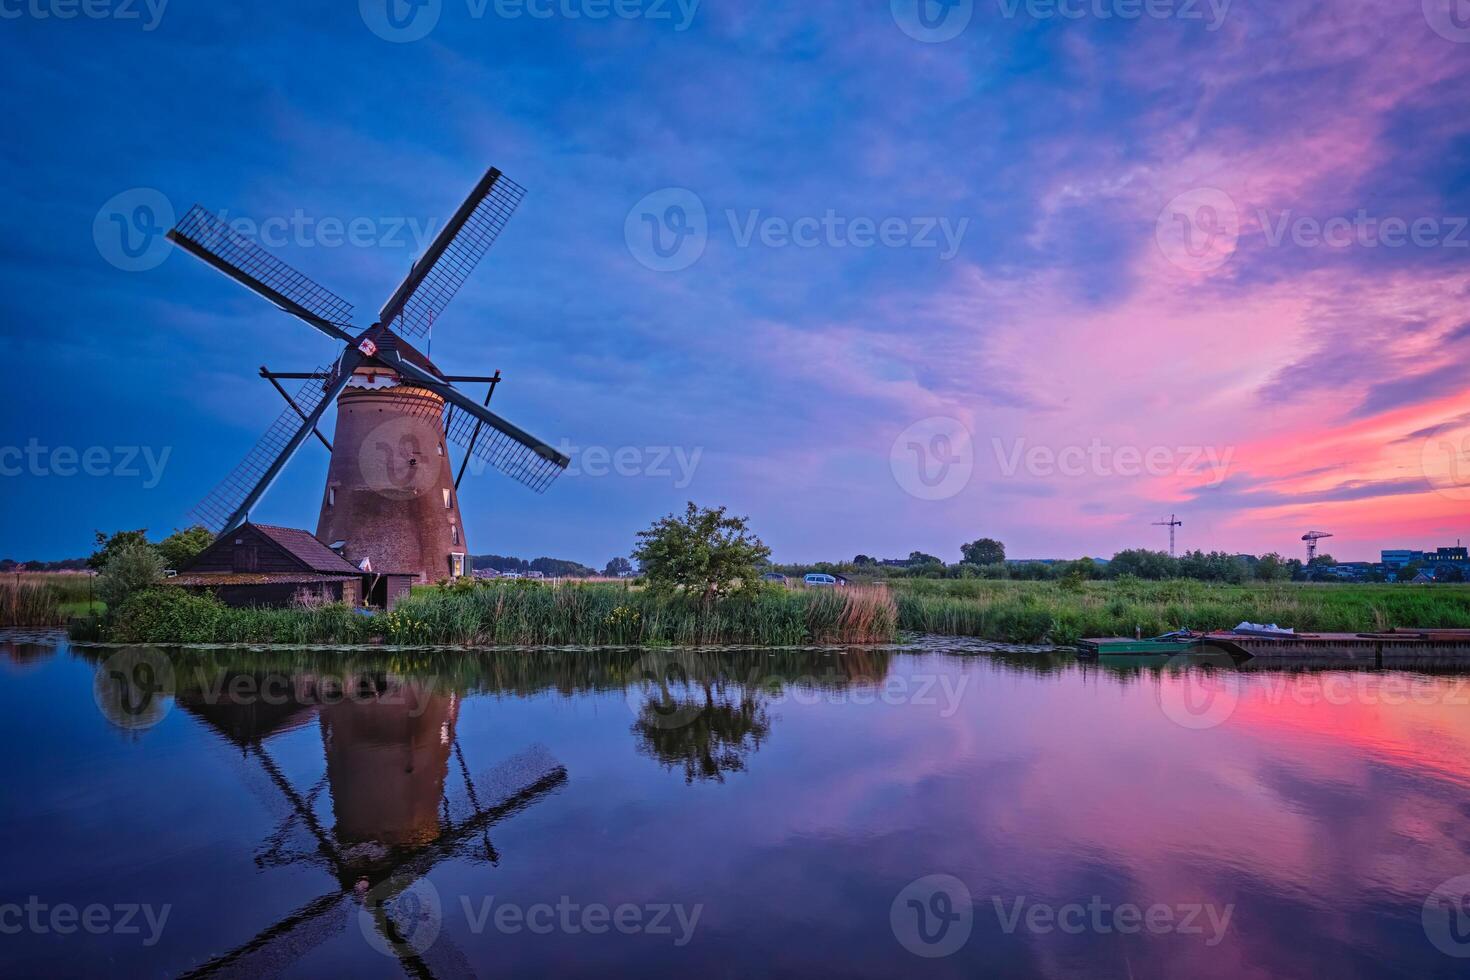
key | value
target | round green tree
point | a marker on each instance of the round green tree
(704, 552)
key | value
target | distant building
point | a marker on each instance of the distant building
(1456, 556)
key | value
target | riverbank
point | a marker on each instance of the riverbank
(519, 614)
(617, 614)
(1062, 613)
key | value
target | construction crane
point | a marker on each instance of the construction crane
(1172, 523)
(1311, 538)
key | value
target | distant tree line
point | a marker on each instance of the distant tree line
(65, 565)
(985, 558)
(550, 567)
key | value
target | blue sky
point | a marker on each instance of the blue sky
(933, 294)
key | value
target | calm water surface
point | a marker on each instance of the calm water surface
(725, 813)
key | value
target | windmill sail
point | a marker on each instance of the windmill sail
(486, 436)
(531, 463)
(480, 432)
(209, 238)
(453, 255)
(215, 511)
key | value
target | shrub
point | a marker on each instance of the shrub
(131, 567)
(166, 615)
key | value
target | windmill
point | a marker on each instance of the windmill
(1172, 523)
(391, 499)
(1311, 538)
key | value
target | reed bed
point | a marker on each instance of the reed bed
(526, 614)
(30, 605)
(1040, 612)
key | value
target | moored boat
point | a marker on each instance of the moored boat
(1168, 645)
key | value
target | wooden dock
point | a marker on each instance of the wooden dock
(1400, 648)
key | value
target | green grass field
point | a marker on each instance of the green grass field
(1034, 612)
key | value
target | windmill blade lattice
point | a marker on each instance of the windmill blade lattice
(215, 510)
(534, 466)
(453, 255)
(524, 464)
(201, 231)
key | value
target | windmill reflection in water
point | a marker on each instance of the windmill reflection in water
(397, 809)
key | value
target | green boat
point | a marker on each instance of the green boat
(1168, 645)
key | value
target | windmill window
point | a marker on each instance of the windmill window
(441, 449)
(448, 501)
(453, 534)
(331, 496)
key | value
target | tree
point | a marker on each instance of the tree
(703, 551)
(919, 558)
(986, 551)
(108, 546)
(618, 567)
(132, 567)
(561, 568)
(1273, 568)
(1145, 564)
(182, 547)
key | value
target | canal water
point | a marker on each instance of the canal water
(932, 810)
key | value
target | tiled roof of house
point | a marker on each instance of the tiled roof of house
(308, 548)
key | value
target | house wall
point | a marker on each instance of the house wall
(222, 555)
(276, 595)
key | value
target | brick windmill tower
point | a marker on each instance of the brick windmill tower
(391, 502)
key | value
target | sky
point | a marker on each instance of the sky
(882, 276)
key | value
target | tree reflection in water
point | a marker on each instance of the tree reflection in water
(706, 712)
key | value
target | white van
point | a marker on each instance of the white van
(817, 578)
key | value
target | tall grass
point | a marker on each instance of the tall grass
(599, 615)
(526, 614)
(26, 604)
(1035, 612)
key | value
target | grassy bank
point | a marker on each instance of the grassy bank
(31, 599)
(1034, 612)
(522, 613)
(30, 605)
